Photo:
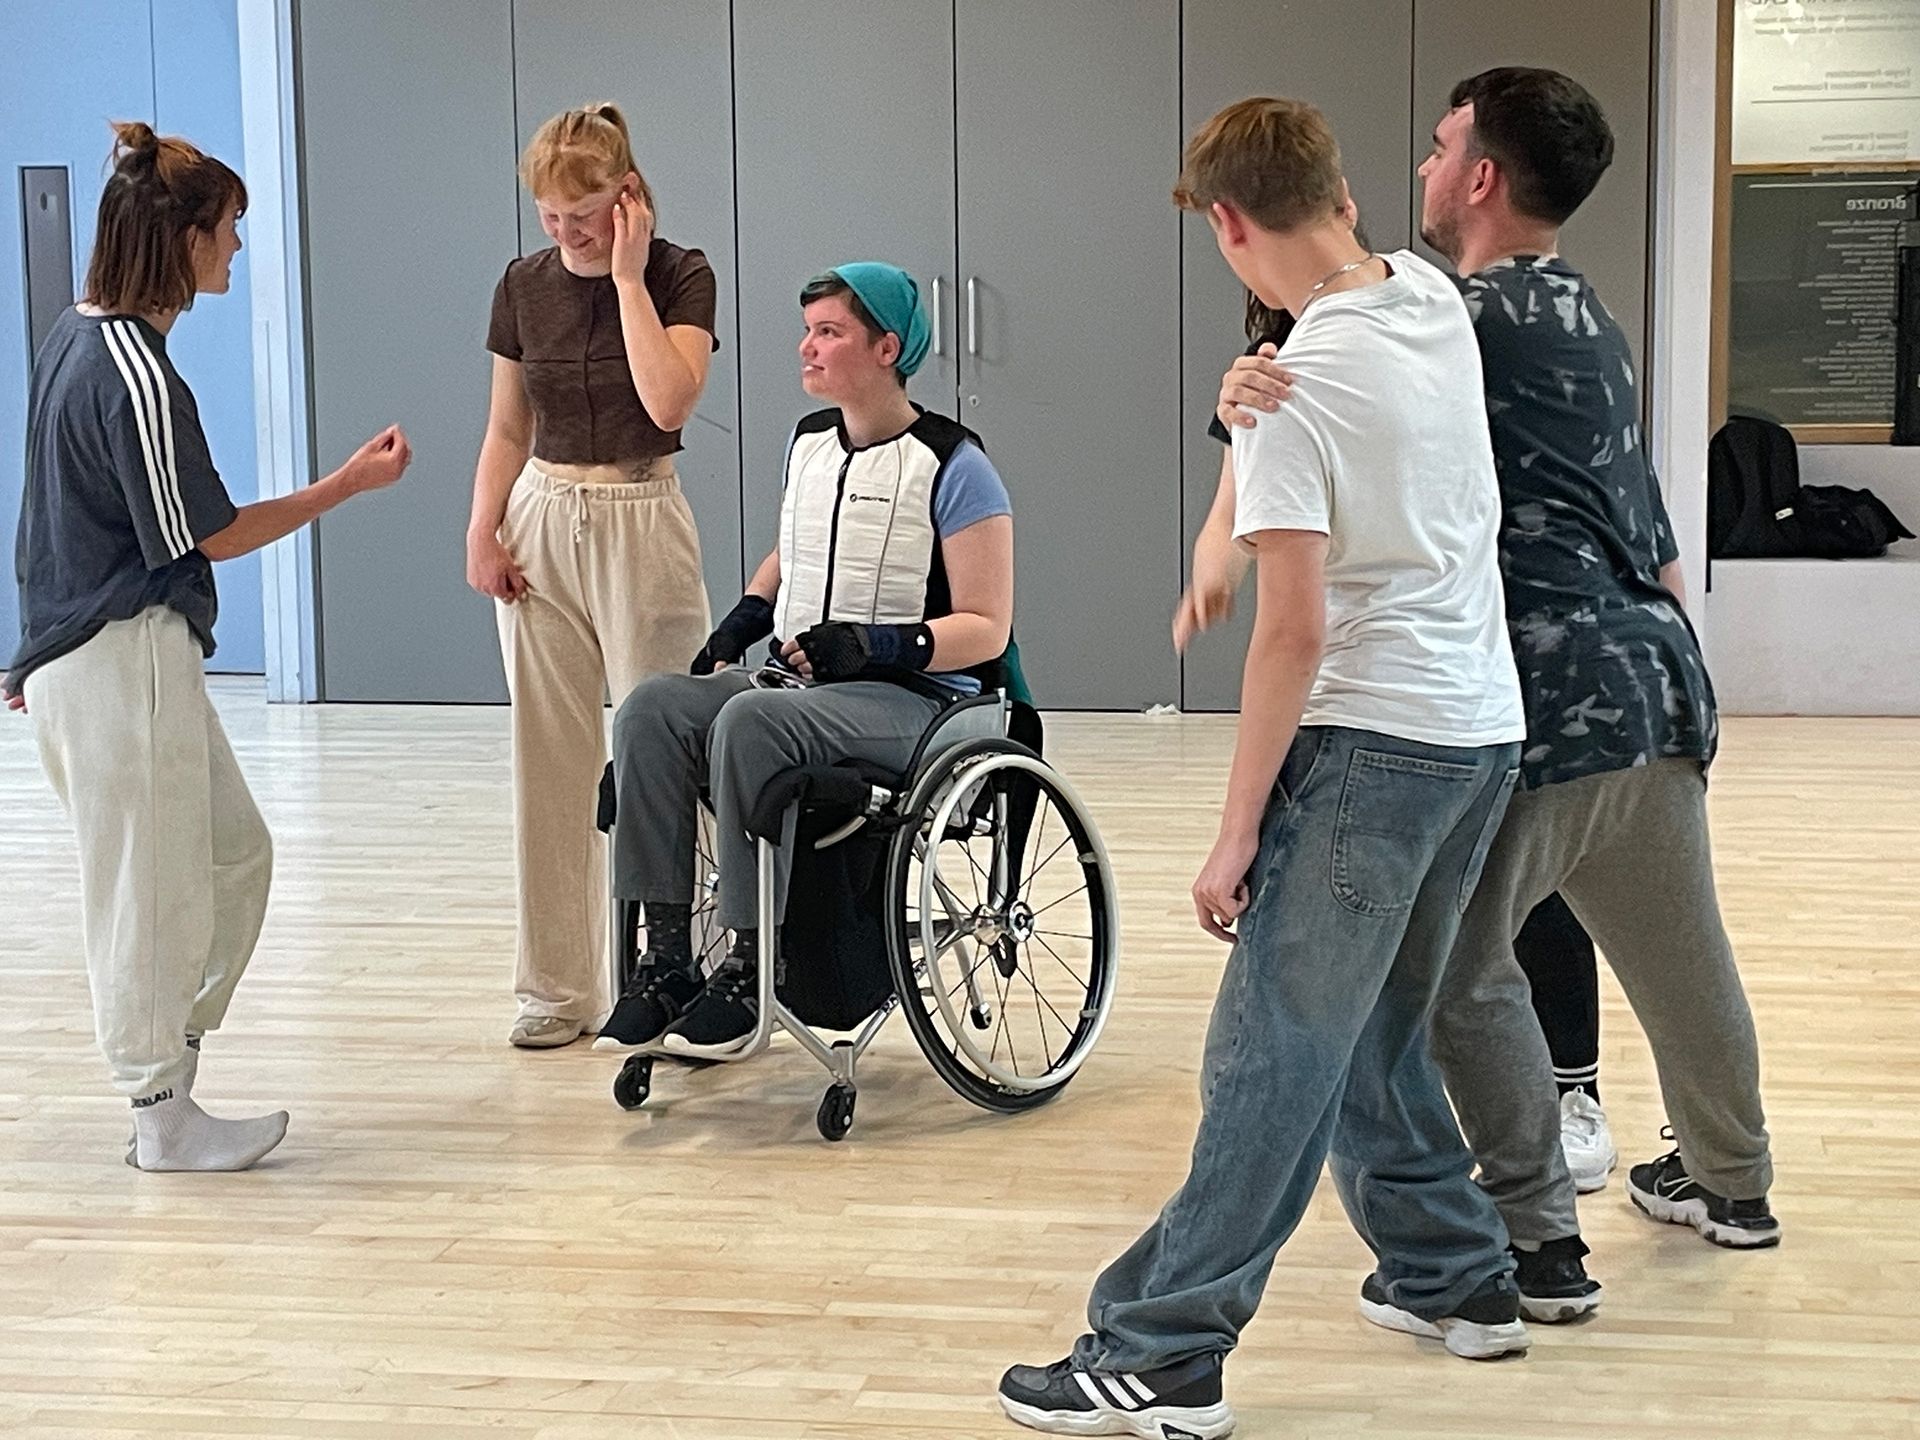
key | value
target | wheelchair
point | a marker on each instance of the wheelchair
(970, 891)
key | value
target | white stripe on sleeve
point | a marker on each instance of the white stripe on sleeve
(143, 425)
(169, 465)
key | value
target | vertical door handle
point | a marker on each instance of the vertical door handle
(973, 315)
(939, 342)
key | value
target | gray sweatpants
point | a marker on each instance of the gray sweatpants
(1629, 851)
(676, 731)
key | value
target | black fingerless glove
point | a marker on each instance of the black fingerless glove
(749, 621)
(841, 649)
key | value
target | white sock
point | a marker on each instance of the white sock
(185, 1087)
(176, 1134)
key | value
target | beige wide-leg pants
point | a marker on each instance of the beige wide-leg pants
(615, 595)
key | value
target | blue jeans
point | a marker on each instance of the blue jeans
(1369, 851)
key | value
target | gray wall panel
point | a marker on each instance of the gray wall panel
(665, 64)
(1068, 124)
(1353, 63)
(1607, 45)
(840, 158)
(408, 147)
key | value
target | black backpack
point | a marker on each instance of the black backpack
(1753, 491)
(1757, 509)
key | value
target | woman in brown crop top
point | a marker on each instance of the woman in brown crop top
(579, 530)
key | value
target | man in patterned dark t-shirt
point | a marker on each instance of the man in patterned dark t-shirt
(1620, 713)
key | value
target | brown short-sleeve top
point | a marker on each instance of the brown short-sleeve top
(564, 329)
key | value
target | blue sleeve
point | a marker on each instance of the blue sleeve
(970, 491)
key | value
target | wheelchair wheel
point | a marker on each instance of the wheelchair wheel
(835, 1115)
(1001, 924)
(634, 1082)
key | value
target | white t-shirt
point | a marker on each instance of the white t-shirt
(1384, 449)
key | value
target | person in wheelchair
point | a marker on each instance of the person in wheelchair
(892, 589)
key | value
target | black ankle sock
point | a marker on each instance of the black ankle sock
(670, 934)
(745, 954)
(1592, 1087)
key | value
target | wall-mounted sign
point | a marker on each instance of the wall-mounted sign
(1811, 325)
(1826, 82)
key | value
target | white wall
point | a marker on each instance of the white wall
(1680, 351)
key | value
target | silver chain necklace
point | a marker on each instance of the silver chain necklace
(1329, 278)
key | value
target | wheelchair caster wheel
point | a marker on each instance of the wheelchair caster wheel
(981, 1017)
(836, 1112)
(635, 1080)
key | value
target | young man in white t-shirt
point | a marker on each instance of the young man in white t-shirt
(1379, 739)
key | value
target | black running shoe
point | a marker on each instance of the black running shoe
(1180, 1402)
(1663, 1190)
(721, 1018)
(1484, 1327)
(658, 996)
(1554, 1284)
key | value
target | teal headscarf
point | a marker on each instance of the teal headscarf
(893, 299)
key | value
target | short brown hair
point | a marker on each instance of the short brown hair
(162, 189)
(1275, 161)
(580, 151)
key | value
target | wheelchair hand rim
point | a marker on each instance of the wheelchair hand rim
(966, 777)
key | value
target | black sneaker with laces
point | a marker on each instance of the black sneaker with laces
(1179, 1402)
(721, 1018)
(1484, 1327)
(1663, 1190)
(1554, 1284)
(659, 995)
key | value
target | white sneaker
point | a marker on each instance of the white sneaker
(1586, 1141)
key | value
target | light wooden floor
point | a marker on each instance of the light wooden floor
(462, 1240)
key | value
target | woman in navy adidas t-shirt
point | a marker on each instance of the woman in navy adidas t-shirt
(122, 515)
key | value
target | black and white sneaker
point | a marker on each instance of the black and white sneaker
(1485, 1327)
(658, 996)
(1554, 1284)
(721, 1019)
(1663, 1190)
(1181, 1402)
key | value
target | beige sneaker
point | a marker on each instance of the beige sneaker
(544, 1032)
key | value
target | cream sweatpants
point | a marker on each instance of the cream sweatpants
(175, 861)
(615, 595)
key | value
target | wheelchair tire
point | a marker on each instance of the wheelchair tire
(1004, 957)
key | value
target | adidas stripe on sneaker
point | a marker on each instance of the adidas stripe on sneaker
(1180, 1402)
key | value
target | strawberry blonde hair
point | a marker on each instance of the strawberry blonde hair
(581, 151)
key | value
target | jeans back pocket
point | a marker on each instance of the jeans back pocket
(1395, 813)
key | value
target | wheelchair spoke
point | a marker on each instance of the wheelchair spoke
(1000, 989)
(1063, 964)
(1041, 999)
(1039, 1020)
(1027, 887)
(979, 872)
(1080, 890)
